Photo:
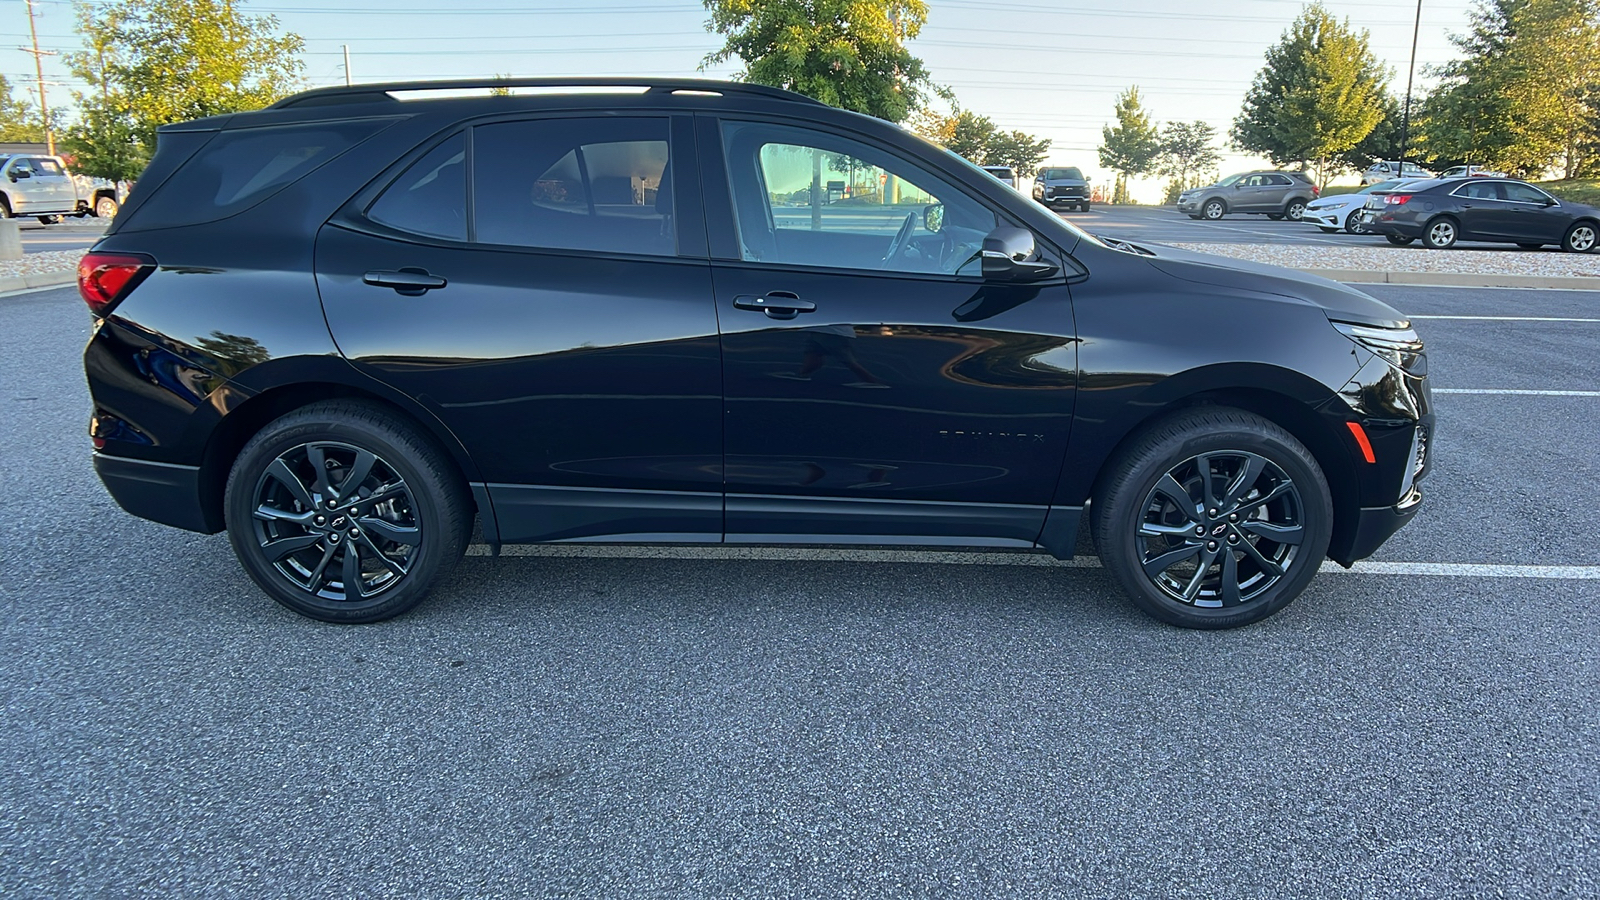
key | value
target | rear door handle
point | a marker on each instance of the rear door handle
(777, 304)
(410, 281)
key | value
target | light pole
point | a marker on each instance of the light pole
(1411, 71)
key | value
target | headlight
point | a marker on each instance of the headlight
(1399, 346)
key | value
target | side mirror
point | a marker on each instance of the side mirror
(20, 173)
(1009, 255)
(933, 217)
(1550, 201)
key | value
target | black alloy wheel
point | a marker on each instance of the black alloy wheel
(340, 512)
(1215, 518)
(1580, 238)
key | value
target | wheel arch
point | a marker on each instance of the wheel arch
(245, 418)
(1226, 207)
(1290, 400)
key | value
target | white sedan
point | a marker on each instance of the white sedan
(1342, 210)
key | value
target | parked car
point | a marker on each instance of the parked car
(1471, 172)
(587, 316)
(42, 186)
(1277, 195)
(1495, 210)
(1344, 211)
(1006, 174)
(1062, 186)
(1388, 170)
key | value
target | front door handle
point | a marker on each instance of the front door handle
(410, 281)
(777, 304)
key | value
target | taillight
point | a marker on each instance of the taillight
(1316, 191)
(104, 277)
(1397, 199)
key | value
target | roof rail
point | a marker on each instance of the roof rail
(383, 92)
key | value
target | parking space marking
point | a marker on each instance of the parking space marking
(1003, 558)
(1516, 393)
(1505, 318)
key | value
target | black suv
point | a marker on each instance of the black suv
(346, 327)
(1062, 186)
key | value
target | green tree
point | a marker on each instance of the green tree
(1383, 141)
(846, 53)
(19, 119)
(162, 61)
(1523, 97)
(1187, 156)
(1320, 93)
(1130, 148)
(1021, 151)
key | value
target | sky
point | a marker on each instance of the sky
(1053, 69)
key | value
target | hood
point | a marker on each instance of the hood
(1338, 200)
(1064, 180)
(1339, 302)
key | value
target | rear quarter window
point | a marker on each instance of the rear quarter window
(238, 169)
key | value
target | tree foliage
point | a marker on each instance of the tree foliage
(148, 63)
(845, 53)
(1132, 147)
(1320, 93)
(1188, 156)
(19, 119)
(975, 138)
(1021, 151)
(1525, 95)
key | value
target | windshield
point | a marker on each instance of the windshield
(1068, 172)
(1231, 179)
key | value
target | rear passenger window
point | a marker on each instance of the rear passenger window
(238, 169)
(431, 197)
(574, 184)
(48, 167)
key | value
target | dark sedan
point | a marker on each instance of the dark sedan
(1496, 210)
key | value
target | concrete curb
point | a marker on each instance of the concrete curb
(1461, 279)
(11, 283)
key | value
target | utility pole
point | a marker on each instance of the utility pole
(346, 64)
(38, 67)
(1405, 121)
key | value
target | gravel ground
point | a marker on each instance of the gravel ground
(1409, 259)
(36, 263)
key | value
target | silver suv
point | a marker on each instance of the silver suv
(1277, 195)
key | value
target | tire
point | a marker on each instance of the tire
(1326, 230)
(5, 208)
(105, 207)
(1138, 521)
(421, 524)
(1582, 237)
(1399, 240)
(1353, 224)
(1196, 218)
(49, 220)
(1294, 209)
(1441, 233)
(1214, 209)
(1276, 217)
(1084, 207)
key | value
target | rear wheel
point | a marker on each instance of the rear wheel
(1276, 217)
(1214, 518)
(1399, 240)
(1580, 238)
(342, 512)
(1441, 233)
(105, 207)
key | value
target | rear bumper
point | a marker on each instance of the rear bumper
(1374, 526)
(160, 492)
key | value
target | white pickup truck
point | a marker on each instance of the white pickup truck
(37, 185)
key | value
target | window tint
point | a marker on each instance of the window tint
(1279, 180)
(48, 167)
(574, 184)
(809, 198)
(1523, 193)
(238, 169)
(1480, 191)
(431, 197)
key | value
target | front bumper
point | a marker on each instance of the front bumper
(1324, 218)
(160, 492)
(1374, 526)
(1191, 205)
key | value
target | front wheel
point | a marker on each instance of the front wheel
(105, 207)
(342, 512)
(1399, 240)
(1355, 225)
(1214, 209)
(1580, 238)
(1084, 207)
(1214, 518)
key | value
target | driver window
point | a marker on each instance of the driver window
(807, 198)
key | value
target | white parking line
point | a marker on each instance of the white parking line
(1022, 558)
(1516, 393)
(1506, 318)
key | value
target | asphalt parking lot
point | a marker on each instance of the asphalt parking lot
(820, 723)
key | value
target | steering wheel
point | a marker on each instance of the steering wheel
(901, 238)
